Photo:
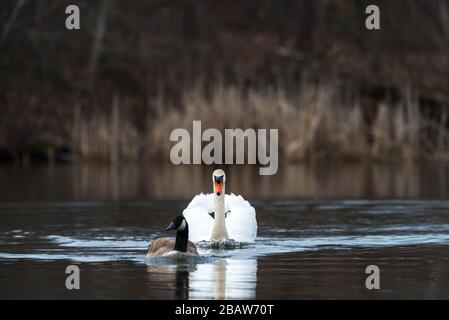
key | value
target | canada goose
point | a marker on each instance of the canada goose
(168, 247)
(217, 216)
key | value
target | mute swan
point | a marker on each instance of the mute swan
(168, 247)
(218, 216)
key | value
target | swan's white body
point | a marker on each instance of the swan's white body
(241, 224)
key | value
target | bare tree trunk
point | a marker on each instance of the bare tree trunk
(445, 18)
(98, 42)
(115, 131)
(308, 16)
(15, 13)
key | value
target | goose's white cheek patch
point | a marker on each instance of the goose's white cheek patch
(182, 226)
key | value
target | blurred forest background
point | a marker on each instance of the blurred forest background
(113, 90)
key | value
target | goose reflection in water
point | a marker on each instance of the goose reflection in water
(176, 275)
(219, 280)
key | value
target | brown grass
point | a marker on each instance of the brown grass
(313, 123)
(105, 137)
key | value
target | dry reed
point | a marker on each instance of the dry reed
(313, 123)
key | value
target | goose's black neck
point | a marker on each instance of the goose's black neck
(182, 239)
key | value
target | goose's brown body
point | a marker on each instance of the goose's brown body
(162, 246)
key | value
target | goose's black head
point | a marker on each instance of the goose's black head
(179, 224)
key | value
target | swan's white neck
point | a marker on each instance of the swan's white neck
(219, 231)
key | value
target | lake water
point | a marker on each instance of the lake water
(318, 231)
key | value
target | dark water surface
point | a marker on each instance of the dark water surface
(306, 248)
(325, 180)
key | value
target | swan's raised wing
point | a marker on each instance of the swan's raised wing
(241, 220)
(198, 218)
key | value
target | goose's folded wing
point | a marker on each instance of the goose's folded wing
(160, 247)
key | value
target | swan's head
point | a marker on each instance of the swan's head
(219, 180)
(179, 224)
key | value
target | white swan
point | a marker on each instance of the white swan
(217, 216)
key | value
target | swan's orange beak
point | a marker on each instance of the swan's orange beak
(218, 187)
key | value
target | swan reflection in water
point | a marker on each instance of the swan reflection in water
(221, 279)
